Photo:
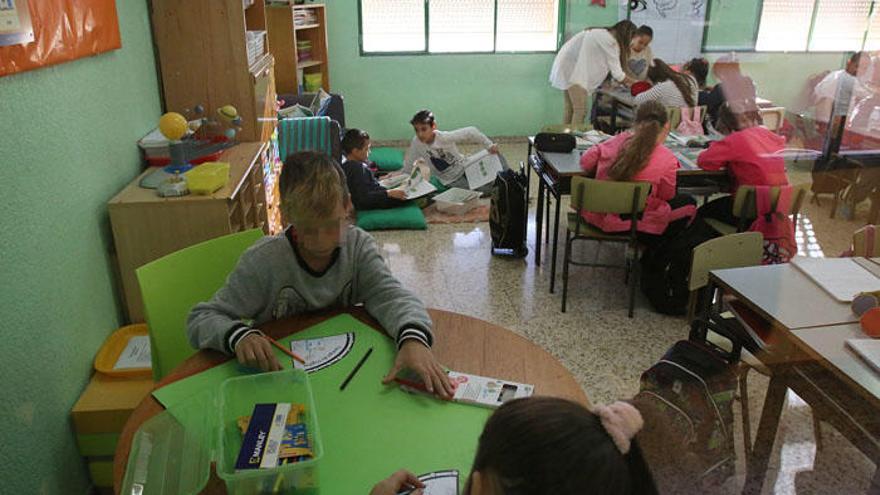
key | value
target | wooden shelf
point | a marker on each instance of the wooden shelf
(307, 26)
(309, 63)
(283, 36)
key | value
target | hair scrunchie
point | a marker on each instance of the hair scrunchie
(622, 421)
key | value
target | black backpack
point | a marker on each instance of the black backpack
(507, 214)
(686, 399)
(665, 269)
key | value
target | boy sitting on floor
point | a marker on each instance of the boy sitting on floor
(320, 261)
(366, 192)
(439, 150)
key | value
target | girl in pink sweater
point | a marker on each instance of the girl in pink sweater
(639, 155)
(747, 153)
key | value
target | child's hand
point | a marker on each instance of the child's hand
(397, 482)
(256, 352)
(415, 356)
(493, 149)
(396, 194)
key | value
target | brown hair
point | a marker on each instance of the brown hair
(545, 445)
(738, 115)
(651, 117)
(623, 32)
(311, 184)
(660, 72)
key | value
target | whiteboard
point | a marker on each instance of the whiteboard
(677, 24)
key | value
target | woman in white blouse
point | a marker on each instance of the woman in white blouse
(672, 89)
(585, 61)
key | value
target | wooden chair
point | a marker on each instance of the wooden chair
(745, 208)
(604, 196)
(773, 117)
(866, 241)
(674, 115)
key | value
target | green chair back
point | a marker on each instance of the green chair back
(729, 251)
(608, 196)
(172, 285)
(745, 205)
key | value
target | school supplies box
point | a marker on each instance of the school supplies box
(473, 389)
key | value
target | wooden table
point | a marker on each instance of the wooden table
(463, 343)
(810, 329)
(555, 171)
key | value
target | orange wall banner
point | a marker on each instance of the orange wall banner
(64, 30)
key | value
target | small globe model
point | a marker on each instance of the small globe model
(173, 126)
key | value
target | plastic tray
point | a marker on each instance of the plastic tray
(109, 353)
(207, 177)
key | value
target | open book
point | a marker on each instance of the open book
(416, 184)
(481, 168)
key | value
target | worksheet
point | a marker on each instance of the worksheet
(322, 352)
(439, 483)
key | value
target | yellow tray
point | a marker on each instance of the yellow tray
(109, 353)
(207, 177)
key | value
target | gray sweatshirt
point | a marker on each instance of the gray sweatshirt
(446, 161)
(272, 282)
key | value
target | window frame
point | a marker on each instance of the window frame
(560, 32)
(875, 7)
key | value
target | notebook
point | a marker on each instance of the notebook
(868, 350)
(842, 278)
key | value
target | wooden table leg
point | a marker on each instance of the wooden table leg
(766, 436)
(555, 244)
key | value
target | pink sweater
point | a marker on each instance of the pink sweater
(660, 172)
(744, 155)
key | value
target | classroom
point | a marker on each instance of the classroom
(440, 246)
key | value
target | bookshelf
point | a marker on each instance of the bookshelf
(289, 28)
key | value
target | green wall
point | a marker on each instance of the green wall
(509, 95)
(67, 135)
(504, 95)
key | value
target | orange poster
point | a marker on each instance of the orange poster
(63, 30)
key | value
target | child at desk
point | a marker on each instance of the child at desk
(366, 192)
(546, 445)
(746, 152)
(639, 155)
(320, 261)
(439, 149)
(672, 89)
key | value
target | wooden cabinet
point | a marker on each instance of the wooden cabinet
(147, 227)
(284, 34)
(203, 59)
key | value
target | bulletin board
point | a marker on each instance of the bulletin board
(63, 30)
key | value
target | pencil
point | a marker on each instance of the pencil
(356, 368)
(285, 350)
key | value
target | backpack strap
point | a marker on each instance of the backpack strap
(783, 203)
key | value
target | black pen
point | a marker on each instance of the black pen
(356, 368)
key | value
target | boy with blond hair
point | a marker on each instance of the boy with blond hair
(320, 261)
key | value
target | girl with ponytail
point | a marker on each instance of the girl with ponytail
(639, 155)
(544, 445)
(671, 89)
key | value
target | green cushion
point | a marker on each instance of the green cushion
(387, 159)
(439, 185)
(405, 217)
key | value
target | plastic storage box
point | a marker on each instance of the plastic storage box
(172, 452)
(457, 201)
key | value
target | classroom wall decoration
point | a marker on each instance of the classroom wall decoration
(678, 25)
(63, 30)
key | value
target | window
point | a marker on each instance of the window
(459, 26)
(818, 25)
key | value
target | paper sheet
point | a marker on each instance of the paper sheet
(439, 483)
(678, 26)
(135, 355)
(322, 352)
(481, 169)
(842, 278)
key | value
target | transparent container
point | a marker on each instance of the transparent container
(172, 452)
(237, 398)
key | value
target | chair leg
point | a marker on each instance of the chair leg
(634, 273)
(566, 258)
(627, 268)
(746, 421)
